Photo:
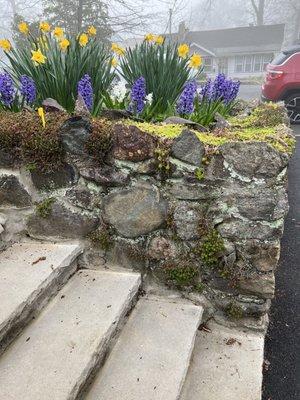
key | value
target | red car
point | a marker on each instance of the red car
(282, 81)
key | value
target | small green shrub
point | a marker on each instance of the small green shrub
(162, 162)
(234, 311)
(181, 275)
(199, 174)
(45, 207)
(211, 247)
(102, 237)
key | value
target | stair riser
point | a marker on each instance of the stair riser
(35, 304)
(104, 348)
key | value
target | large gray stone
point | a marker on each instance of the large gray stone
(60, 350)
(63, 177)
(162, 248)
(13, 193)
(61, 222)
(84, 198)
(254, 159)
(262, 285)
(262, 255)
(238, 229)
(188, 148)
(193, 191)
(135, 211)
(75, 133)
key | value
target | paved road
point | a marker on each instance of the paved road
(249, 92)
(282, 380)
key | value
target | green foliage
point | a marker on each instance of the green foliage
(211, 247)
(162, 162)
(100, 142)
(76, 17)
(234, 311)
(181, 275)
(58, 76)
(44, 208)
(102, 237)
(199, 174)
(164, 71)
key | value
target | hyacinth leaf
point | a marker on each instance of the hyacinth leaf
(164, 71)
(58, 77)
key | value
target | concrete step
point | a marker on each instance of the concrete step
(30, 273)
(226, 364)
(152, 354)
(57, 353)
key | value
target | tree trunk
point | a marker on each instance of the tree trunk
(296, 30)
(259, 10)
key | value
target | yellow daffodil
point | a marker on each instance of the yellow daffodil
(92, 31)
(118, 49)
(149, 37)
(183, 50)
(195, 61)
(58, 32)
(159, 39)
(38, 57)
(45, 27)
(41, 113)
(83, 39)
(64, 44)
(5, 44)
(23, 28)
(114, 62)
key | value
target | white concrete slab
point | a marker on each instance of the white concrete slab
(152, 354)
(30, 273)
(226, 365)
(56, 353)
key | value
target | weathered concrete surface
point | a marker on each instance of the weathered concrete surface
(151, 357)
(30, 273)
(55, 355)
(226, 364)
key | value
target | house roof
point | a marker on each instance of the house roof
(269, 37)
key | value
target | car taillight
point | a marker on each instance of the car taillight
(273, 74)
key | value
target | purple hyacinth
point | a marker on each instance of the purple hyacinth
(28, 89)
(185, 103)
(220, 89)
(7, 89)
(85, 89)
(138, 96)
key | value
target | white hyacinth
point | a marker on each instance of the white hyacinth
(149, 98)
(118, 92)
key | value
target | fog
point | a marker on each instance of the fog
(133, 18)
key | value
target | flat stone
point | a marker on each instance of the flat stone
(61, 222)
(262, 255)
(105, 176)
(262, 285)
(132, 144)
(186, 220)
(188, 148)
(226, 364)
(161, 248)
(238, 229)
(13, 193)
(175, 120)
(189, 191)
(64, 177)
(84, 198)
(52, 105)
(254, 159)
(58, 351)
(75, 133)
(136, 211)
(151, 357)
(30, 274)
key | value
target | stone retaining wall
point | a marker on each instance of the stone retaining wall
(204, 221)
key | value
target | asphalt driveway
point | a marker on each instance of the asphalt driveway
(282, 351)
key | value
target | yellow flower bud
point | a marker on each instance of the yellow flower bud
(23, 28)
(5, 44)
(183, 50)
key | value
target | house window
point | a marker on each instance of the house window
(252, 63)
(208, 64)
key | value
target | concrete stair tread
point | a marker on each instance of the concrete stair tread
(152, 354)
(26, 270)
(56, 353)
(226, 364)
